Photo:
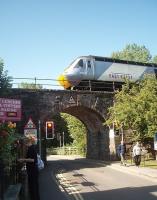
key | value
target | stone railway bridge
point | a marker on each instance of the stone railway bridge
(89, 107)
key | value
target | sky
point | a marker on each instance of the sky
(40, 38)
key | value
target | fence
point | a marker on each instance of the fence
(65, 151)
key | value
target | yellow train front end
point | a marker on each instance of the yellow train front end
(64, 82)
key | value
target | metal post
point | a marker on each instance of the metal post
(122, 134)
(113, 87)
(60, 142)
(39, 137)
(90, 86)
(35, 79)
(63, 138)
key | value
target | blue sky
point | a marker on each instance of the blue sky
(40, 38)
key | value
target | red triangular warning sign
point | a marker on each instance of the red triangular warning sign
(30, 124)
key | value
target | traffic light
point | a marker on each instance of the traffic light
(49, 130)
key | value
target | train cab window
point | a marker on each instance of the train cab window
(89, 64)
(80, 63)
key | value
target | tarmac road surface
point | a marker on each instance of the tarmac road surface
(71, 178)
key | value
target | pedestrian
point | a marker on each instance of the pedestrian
(122, 152)
(137, 154)
(31, 167)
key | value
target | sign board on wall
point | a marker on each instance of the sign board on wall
(32, 132)
(10, 109)
(30, 129)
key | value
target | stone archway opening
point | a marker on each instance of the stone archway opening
(97, 134)
(77, 132)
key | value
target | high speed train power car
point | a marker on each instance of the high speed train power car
(102, 73)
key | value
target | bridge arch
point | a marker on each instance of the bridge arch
(97, 133)
(89, 107)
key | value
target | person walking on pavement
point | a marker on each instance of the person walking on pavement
(122, 152)
(32, 167)
(137, 154)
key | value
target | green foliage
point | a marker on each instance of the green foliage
(154, 59)
(76, 130)
(5, 80)
(8, 137)
(30, 85)
(135, 108)
(133, 52)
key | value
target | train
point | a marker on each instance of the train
(103, 73)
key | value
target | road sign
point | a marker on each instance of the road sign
(10, 109)
(71, 100)
(32, 132)
(30, 129)
(30, 124)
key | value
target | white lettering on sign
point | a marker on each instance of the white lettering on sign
(8, 106)
(30, 132)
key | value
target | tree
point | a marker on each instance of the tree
(133, 52)
(135, 108)
(30, 86)
(5, 80)
(154, 59)
(76, 130)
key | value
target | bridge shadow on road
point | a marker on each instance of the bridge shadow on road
(128, 193)
(48, 186)
(50, 189)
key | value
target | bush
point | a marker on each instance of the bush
(8, 140)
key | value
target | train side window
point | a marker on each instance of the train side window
(89, 64)
(80, 63)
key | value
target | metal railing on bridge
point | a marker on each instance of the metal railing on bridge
(35, 83)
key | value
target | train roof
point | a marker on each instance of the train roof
(114, 60)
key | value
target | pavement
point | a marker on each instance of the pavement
(134, 170)
(130, 168)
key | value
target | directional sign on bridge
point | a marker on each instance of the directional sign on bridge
(10, 109)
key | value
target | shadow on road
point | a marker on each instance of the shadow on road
(128, 193)
(49, 189)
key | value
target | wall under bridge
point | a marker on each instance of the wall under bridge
(89, 107)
